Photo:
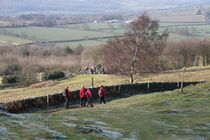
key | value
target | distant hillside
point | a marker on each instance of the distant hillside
(90, 6)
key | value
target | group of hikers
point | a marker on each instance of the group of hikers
(85, 95)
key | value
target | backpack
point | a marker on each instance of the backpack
(65, 92)
(86, 94)
(100, 92)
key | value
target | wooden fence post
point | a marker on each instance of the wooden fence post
(48, 100)
(119, 90)
(92, 82)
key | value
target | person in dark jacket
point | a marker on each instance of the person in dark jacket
(67, 95)
(89, 96)
(83, 98)
(102, 94)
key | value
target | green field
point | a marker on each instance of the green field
(56, 34)
(100, 30)
(157, 116)
(201, 31)
(176, 36)
(186, 19)
(70, 32)
(75, 32)
(7, 40)
(166, 24)
(114, 28)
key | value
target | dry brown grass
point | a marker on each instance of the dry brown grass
(37, 61)
(202, 75)
(43, 84)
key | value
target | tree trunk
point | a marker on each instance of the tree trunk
(131, 79)
(203, 61)
(182, 84)
(207, 59)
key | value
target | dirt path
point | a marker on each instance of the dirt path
(71, 107)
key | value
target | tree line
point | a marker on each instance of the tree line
(24, 64)
(146, 49)
(143, 49)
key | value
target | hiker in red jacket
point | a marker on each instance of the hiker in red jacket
(83, 98)
(66, 95)
(102, 94)
(89, 96)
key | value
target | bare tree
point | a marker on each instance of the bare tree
(132, 54)
(183, 53)
(204, 50)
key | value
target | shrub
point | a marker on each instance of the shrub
(9, 79)
(68, 50)
(52, 75)
(26, 79)
(12, 69)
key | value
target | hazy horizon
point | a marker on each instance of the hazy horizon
(11, 7)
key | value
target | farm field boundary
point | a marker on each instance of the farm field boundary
(113, 91)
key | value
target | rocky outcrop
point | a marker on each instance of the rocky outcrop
(98, 69)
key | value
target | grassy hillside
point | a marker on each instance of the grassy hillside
(159, 116)
(8, 40)
(51, 87)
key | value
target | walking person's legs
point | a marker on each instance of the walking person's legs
(104, 100)
(66, 102)
(81, 102)
(100, 99)
(88, 102)
(85, 101)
